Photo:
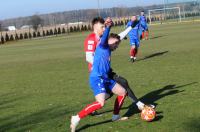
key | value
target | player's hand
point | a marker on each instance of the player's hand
(108, 22)
(134, 23)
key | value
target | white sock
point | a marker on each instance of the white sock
(77, 117)
(75, 120)
(140, 105)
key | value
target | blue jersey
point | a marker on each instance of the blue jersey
(143, 20)
(101, 64)
(143, 23)
(134, 33)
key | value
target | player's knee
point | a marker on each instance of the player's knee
(123, 93)
(133, 46)
(102, 103)
(108, 96)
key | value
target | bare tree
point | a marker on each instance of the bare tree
(121, 11)
(35, 21)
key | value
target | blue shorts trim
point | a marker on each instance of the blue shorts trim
(99, 85)
(135, 42)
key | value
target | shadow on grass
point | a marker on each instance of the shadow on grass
(153, 55)
(28, 121)
(91, 125)
(193, 125)
(152, 97)
(159, 36)
(8, 100)
(149, 98)
(18, 123)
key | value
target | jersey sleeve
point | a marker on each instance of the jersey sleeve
(104, 38)
(128, 24)
(125, 32)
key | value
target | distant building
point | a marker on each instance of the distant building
(75, 23)
(11, 28)
(26, 27)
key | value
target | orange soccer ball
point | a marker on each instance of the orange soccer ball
(148, 114)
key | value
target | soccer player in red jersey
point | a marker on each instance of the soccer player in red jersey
(93, 39)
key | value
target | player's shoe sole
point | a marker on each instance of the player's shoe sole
(123, 118)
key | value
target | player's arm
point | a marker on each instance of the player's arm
(104, 38)
(124, 33)
(128, 29)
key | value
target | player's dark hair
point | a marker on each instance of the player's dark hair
(97, 20)
(114, 35)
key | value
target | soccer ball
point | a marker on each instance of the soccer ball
(148, 113)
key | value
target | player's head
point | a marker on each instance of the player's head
(133, 18)
(98, 25)
(142, 13)
(113, 41)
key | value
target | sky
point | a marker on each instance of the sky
(20, 8)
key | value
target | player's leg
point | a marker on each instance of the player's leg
(124, 83)
(121, 95)
(146, 33)
(137, 45)
(143, 31)
(132, 51)
(140, 33)
(96, 113)
(100, 95)
(143, 35)
(98, 104)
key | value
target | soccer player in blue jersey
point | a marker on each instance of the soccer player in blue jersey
(90, 44)
(100, 82)
(134, 38)
(144, 26)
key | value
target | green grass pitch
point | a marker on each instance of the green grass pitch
(45, 81)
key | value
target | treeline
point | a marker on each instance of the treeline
(173, 16)
(87, 14)
(52, 32)
(72, 16)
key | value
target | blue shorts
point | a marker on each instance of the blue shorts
(99, 85)
(135, 42)
(144, 28)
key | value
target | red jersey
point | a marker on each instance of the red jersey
(90, 45)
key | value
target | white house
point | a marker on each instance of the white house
(11, 28)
